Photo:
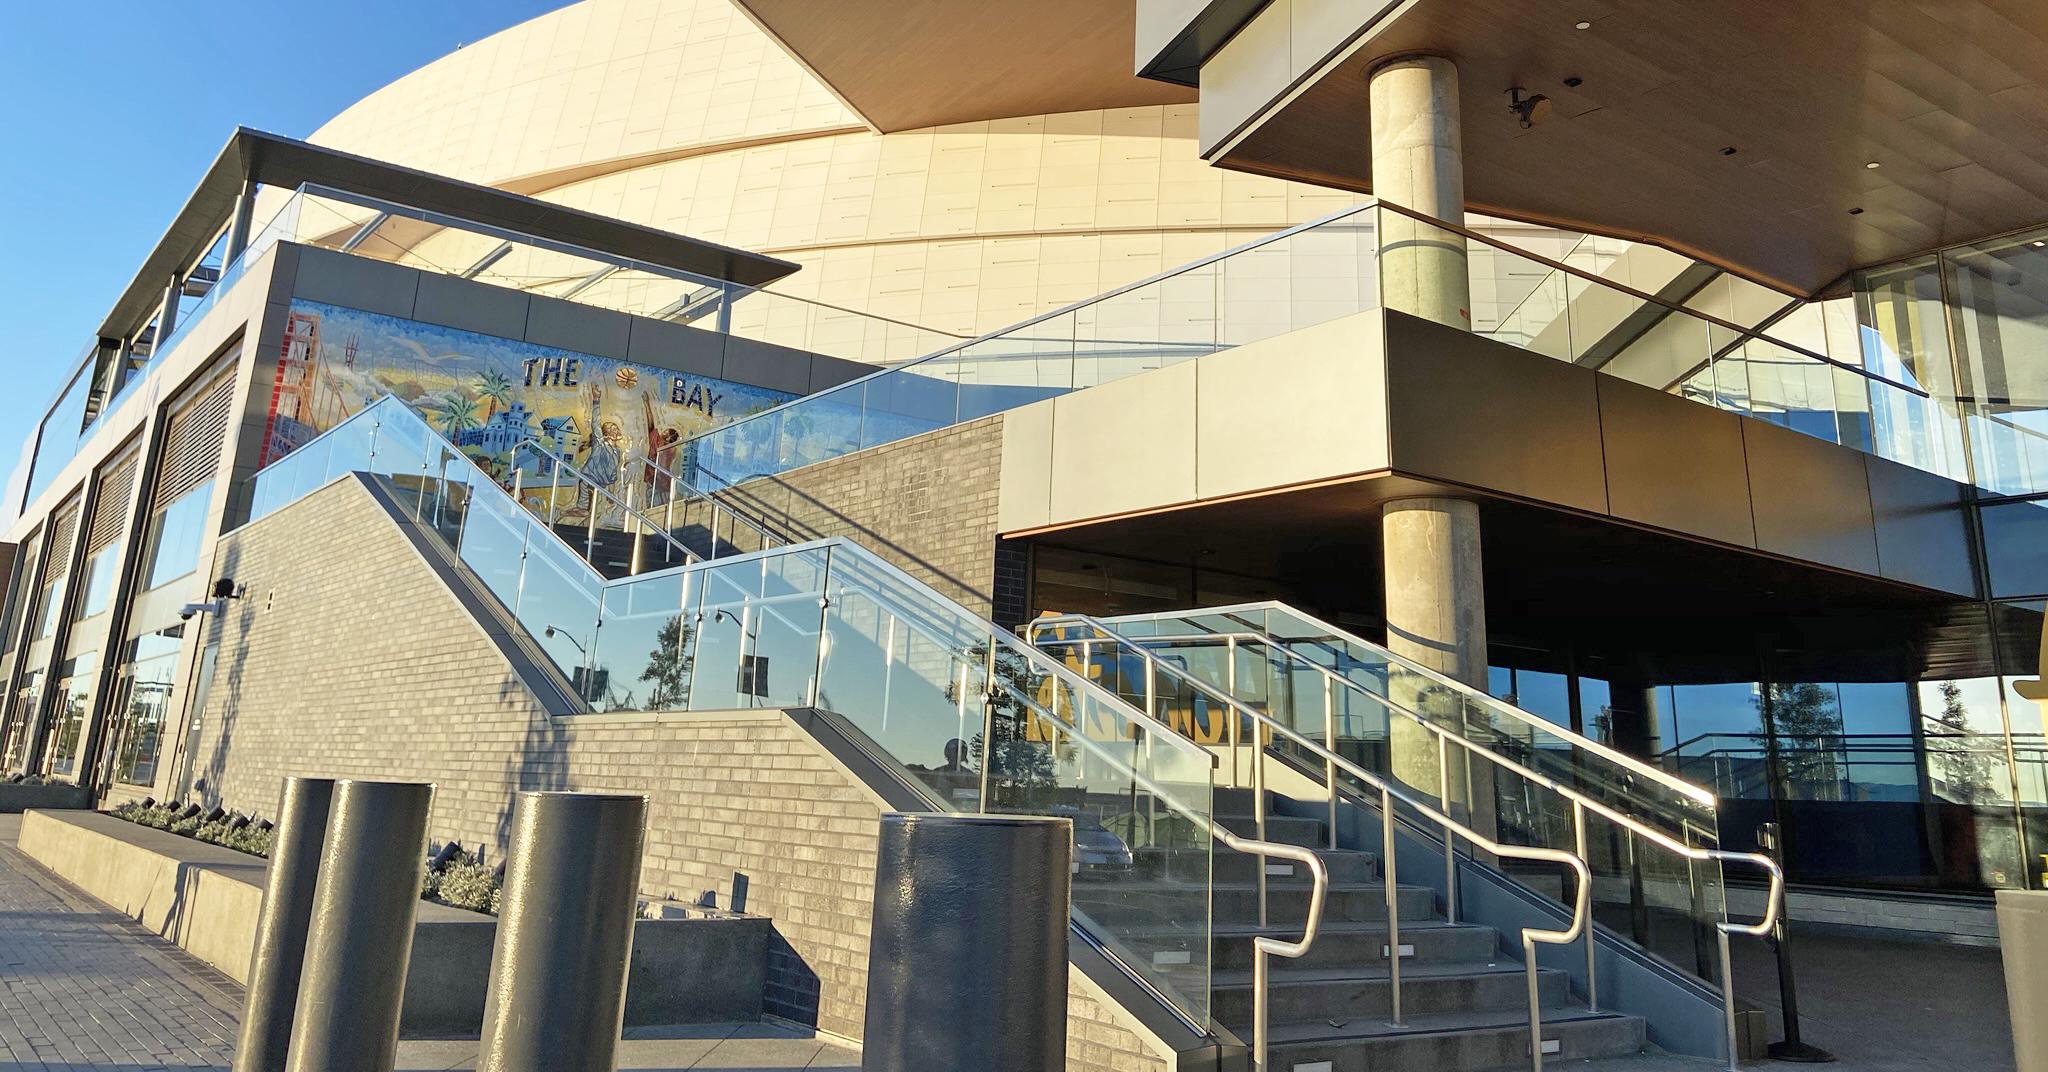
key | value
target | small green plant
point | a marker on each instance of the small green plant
(249, 837)
(465, 882)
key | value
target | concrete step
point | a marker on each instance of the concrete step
(1355, 902)
(1285, 829)
(1339, 944)
(1451, 1042)
(1344, 866)
(1142, 904)
(1364, 993)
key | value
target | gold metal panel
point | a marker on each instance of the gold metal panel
(1674, 464)
(1473, 411)
(1811, 498)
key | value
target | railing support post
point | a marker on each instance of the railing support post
(1389, 869)
(1329, 762)
(1443, 769)
(1592, 947)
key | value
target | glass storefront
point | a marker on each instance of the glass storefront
(143, 707)
(21, 715)
(70, 707)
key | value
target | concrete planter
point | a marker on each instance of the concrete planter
(16, 797)
(207, 899)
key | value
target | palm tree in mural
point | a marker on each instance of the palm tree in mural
(494, 388)
(457, 413)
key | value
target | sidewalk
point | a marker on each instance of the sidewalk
(82, 987)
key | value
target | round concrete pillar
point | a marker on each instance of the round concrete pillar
(1418, 162)
(967, 964)
(1436, 616)
(565, 936)
(360, 941)
(280, 953)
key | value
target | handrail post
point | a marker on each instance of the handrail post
(639, 537)
(714, 528)
(1727, 997)
(1535, 1006)
(1259, 808)
(1330, 762)
(988, 722)
(1388, 869)
(590, 529)
(1592, 948)
(1443, 770)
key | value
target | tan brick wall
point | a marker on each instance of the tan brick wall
(350, 657)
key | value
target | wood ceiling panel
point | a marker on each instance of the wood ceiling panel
(1949, 96)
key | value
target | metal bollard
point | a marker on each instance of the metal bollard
(565, 936)
(361, 935)
(281, 930)
(967, 970)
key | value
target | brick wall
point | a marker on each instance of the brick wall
(927, 504)
(350, 657)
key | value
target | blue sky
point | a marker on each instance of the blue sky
(115, 107)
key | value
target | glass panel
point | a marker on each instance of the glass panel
(2016, 548)
(145, 709)
(558, 605)
(639, 638)
(70, 704)
(174, 537)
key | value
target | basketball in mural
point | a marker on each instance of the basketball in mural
(627, 377)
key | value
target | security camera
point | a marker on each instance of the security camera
(212, 606)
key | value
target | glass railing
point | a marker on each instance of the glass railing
(970, 715)
(1572, 314)
(1329, 685)
(1294, 279)
(1319, 272)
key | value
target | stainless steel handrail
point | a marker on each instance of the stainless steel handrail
(885, 596)
(1580, 805)
(768, 537)
(597, 488)
(1581, 918)
(1634, 764)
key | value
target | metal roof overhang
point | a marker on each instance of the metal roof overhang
(254, 157)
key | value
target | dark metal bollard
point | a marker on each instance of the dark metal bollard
(361, 936)
(967, 970)
(280, 953)
(565, 934)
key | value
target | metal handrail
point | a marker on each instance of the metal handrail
(1053, 668)
(1633, 764)
(597, 488)
(1580, 805)
(1581, 918)
(1698, 794)
(768, 537)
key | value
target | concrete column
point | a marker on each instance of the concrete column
(1419, 163)
(1436, 616)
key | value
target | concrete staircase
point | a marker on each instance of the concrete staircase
(1464, 994)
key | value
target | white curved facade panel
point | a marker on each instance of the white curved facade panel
(683, 115)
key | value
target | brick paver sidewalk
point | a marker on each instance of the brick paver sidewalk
(84, 988)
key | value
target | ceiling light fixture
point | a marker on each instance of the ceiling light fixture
(1855, 212)
(1585, 26)
(1873, 165)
